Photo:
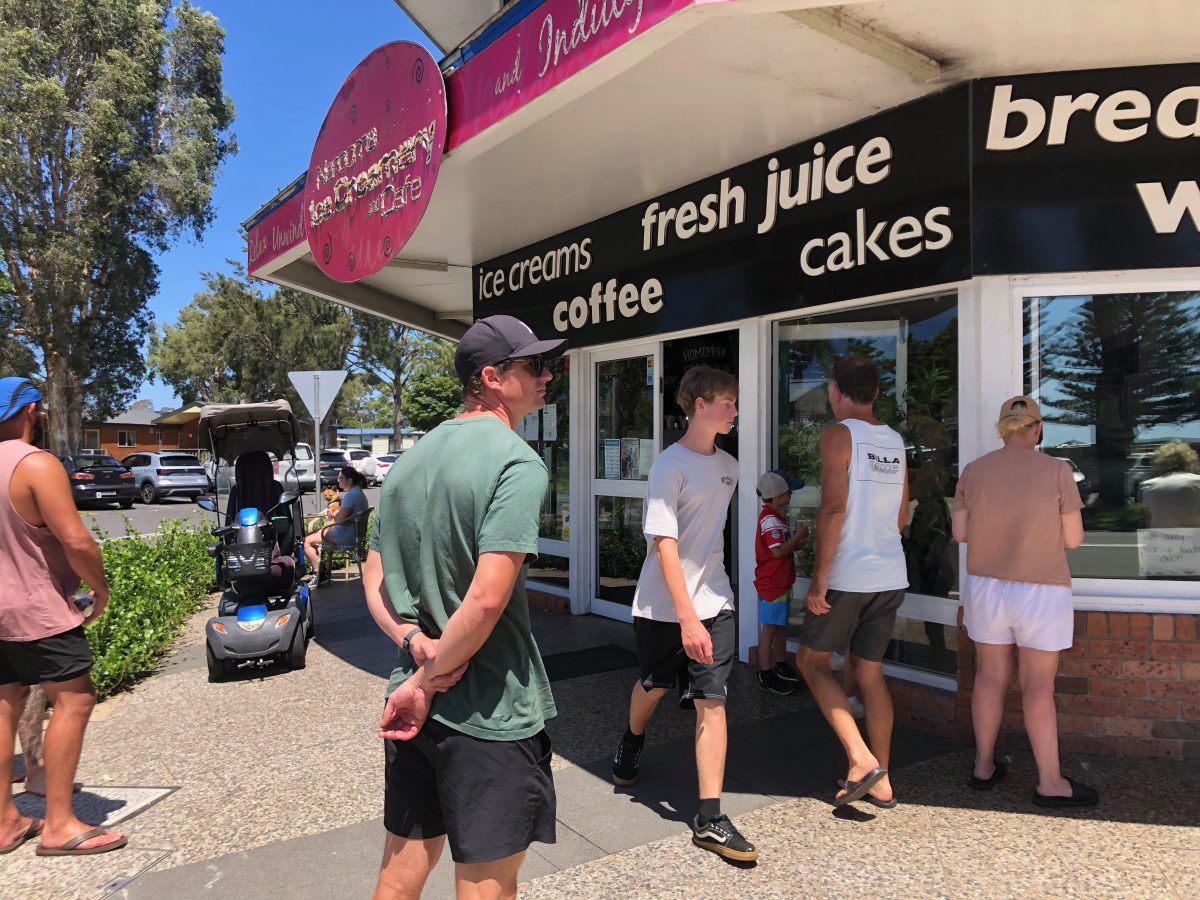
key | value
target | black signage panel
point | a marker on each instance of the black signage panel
(878, 206)
(1077, 171)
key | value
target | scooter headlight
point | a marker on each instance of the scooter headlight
(251, 618)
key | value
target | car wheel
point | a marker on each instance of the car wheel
(148, 493)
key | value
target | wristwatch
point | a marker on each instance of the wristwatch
(408, 638)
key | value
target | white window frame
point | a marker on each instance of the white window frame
(1106, 594)
(121, 432)
(920, 607)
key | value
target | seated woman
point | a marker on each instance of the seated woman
(341, 532)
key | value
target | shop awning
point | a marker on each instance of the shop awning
(707, 86)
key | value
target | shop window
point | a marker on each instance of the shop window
(625, 418)
(1118, 380)
(547, 431)
(915, 343)
(550, 569)
(126, 439)
(620, 548)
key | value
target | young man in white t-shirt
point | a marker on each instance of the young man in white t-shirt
(683, 608)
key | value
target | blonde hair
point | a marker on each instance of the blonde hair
(1010, 425)
(1175, 456)
(706, 382)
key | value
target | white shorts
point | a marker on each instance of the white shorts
(1036, 616)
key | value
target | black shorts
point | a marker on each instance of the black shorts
(59, 657)
(861, 622)
(490, 798)
(664, 663)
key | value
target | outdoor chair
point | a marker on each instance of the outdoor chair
(352, 553)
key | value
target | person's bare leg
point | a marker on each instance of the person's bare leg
(310, 550)
(488, 881)
(73, 703)
(877, 700)
(406, 866)
(993, 673)
(711, 740)
(779, 645)
(832, 700)
(849, 679)
(642, 704)
(31, 744)
(1037, 670)
(12, 823)
(766, 646)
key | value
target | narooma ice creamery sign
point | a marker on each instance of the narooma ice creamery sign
(375, 161)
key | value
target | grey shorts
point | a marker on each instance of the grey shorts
(861, 622)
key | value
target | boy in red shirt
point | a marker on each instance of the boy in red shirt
(774, 575)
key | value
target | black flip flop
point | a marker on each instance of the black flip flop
(872, 799)
(1081, 796)
(856, 789)
(986, 784)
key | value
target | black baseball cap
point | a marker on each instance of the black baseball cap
(499, 337)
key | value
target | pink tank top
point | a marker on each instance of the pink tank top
(37, 581)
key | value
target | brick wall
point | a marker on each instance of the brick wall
(1129, 686)
(549, 602)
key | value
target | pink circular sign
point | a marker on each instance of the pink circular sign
(375, 161)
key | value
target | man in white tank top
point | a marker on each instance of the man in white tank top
(859, 575)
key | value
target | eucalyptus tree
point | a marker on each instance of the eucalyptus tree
(113, 124)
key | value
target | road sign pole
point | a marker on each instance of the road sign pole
(317, 428)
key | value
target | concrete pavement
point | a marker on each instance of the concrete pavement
(279, 794)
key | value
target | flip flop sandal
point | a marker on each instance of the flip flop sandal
(1081, 796)
(856, 789)
(34, 829)
(873, 800)
(72, 848)
(986, 784)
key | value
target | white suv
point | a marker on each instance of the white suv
(301, 471)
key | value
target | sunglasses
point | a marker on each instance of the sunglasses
(537, 365)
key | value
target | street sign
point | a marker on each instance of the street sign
(317, 391)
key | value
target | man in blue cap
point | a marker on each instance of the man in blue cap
(45, 549)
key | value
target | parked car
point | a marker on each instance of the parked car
(99, 478)
(299, 473)
(385, 466)
(1081, 481)
(1141, 468)
(159, 474)
(331, 463)
(339, 456)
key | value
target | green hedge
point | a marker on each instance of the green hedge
(155, 583)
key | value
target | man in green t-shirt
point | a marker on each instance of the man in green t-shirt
(466, 748)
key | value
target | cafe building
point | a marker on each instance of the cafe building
(987, 199)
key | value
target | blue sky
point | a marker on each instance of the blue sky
(284, 62)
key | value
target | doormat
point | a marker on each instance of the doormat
(592, 661)
(104, 805)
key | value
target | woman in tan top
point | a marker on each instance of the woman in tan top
(1018, 511)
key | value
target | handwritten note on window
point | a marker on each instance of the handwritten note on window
(1169, 551)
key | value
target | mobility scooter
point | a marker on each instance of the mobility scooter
(264, 615)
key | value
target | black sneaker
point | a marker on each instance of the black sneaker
(721, 836)
(786, 672)
(625, 763)
(769, 681)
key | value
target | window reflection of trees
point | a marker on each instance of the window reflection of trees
(1118, 365)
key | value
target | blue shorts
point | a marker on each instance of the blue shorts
(773, 612)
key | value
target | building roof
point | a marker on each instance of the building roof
(141, 413)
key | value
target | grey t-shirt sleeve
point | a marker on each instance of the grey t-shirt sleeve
(510, 523)
(662, 500)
